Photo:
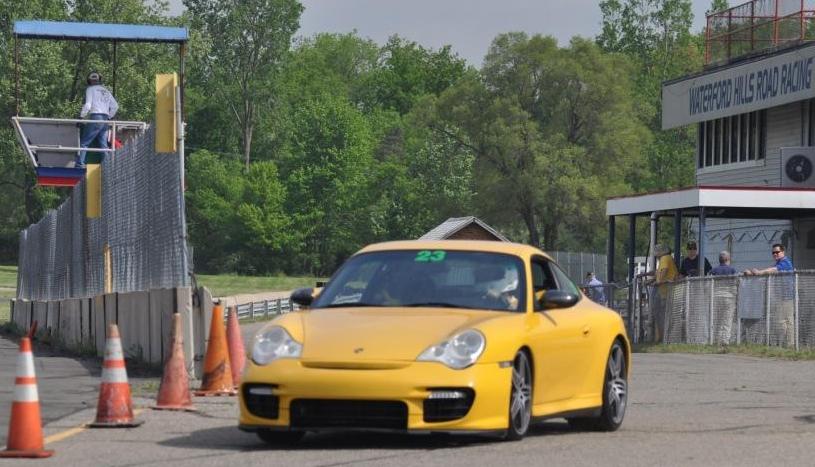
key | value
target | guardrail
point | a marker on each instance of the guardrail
(264, 308)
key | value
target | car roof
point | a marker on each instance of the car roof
(517, 249)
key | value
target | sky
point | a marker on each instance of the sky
(469, 26)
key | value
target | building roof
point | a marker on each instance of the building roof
(64, 30)
(720, 201)
(454, 224)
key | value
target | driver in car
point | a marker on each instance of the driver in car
(504, 290)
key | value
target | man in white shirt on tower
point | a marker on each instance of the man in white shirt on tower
(99, 105)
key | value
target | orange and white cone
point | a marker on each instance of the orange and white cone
(234, 341)
(174, 392)
(217, 380)
(25, 426)
(115, 408)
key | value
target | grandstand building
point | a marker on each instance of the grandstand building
(753, 104)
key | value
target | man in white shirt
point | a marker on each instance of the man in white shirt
(99, 105)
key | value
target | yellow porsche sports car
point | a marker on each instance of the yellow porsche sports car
(438, 336)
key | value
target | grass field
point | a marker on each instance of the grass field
(227, 285)
(220, 285)
(8, 287)
(752, 350)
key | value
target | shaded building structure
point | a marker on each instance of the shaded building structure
(464, 228)
(754, 108)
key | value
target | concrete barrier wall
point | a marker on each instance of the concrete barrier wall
(144, 320)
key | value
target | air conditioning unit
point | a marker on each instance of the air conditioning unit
(798, 167)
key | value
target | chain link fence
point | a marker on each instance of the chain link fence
(773, 310)
(142, 226)
(577, 264)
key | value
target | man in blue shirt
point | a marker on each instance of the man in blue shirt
(783, 310)
(782, 263)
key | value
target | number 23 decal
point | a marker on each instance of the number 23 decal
(427, 256)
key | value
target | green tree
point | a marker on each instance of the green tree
(549, 133)
(248, 42)
(266, 229)
(656, 34)
(407, 71)
(215, 188)
(327, 176)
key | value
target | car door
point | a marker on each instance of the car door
(558, 337)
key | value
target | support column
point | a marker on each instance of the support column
(677, 234)
(610, 250)
(701, 242)
(632, 230)
(652, 266)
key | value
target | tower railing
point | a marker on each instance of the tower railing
(757, 25)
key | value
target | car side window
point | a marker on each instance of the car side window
(542, 280)
(564, 283)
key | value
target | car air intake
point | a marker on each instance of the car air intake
(318, 413)
(445, 404)
(261, 401)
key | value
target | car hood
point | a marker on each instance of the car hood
(382, 334)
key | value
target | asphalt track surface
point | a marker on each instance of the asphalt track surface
(684, 410)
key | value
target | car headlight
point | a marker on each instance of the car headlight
(460, 351)
(273, 344)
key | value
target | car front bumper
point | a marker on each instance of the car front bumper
(410, 383)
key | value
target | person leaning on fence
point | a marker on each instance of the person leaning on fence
(594, 289)
(658, 297)
(724, 268)
(690, 264)
(786, 307)
(100, 105)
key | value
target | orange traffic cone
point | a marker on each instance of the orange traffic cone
(217, 379)
(174, 392)
(114, 409)
(25, 425)
(237, 353)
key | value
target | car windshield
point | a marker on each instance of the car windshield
(428, 278)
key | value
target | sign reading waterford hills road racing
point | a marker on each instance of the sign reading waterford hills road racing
(756, 85)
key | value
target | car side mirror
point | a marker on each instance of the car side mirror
(303, 296)
(558, 299)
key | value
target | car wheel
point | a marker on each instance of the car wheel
(520, 398)
(280, 438)
(615, 395)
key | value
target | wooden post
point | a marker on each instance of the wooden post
(108, 260)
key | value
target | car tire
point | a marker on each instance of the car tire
(520, 398)
(615, 395)
(280, 438)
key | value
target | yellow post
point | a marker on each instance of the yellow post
(166, 113)
(108, 260)
(93, 190)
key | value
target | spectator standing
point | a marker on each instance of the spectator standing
(99, 105)
(724, 295)
(785, 308)
(658, 294)
(782, 263)
(594, 288)
(690, 264)
(724, 268)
